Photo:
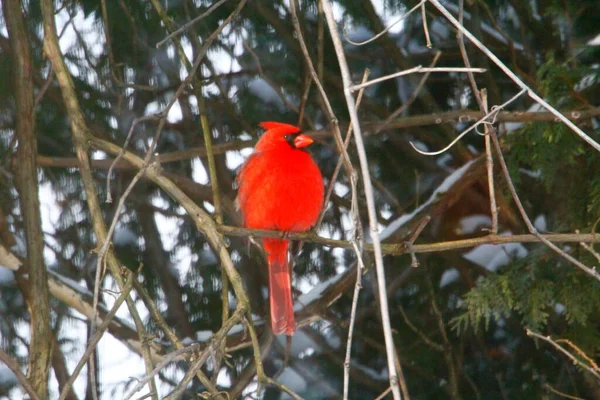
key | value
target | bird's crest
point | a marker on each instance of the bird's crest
(280, 127)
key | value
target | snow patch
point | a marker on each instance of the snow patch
(203, 336)
(595, 41)
(292, 380)
(474, 223)
(71, 283)
(300, 342)
(449, 276)
(315, 293)
(443, 188)
(540, 223)
(510, 127)
(492, 257)
(7, 377)
(7, 277)
(261, 89)
(360, 34)
(532, 174)
(420, 145)
(124, 236)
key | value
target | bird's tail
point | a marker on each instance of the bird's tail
(280, 287)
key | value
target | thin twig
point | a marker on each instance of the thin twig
(358, 245)
(96, 337)
(83, 138)
(338, 166)
(124, 148)
(357, 237)
(260, 373)
(198, 362)
(284, 388)
(581, 353)
(481, 98)
(149, 154)
(16, 369)
(159, 320)
(487, 119)
(575, 360)
(327, 104)
(559, 393)
(384, 393)
(530, 227)
(386, 29)
(187, 25)
(489, 164)
(212, 167)
(448, 352)
(435, 346)
(410, 243)
(320, 40)
(373, 127)
(385, 317)
(40, 95)
(415, 70)
(100, 261)
(463, 51)
(425, 27)
(513, 76)
(591, 250)
(167, 359)
(413, 96)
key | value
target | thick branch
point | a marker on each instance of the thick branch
(80, 132)
(400, 248)
(40, 348)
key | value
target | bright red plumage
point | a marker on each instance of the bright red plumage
(280, 188)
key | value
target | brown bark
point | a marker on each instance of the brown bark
(40, 349)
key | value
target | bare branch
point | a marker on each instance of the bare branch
(386, 29)
(416, 70)
(489, 118)
(199, 362)
(513, 76)
(385, 317)
(566, 396)
(425, 27)
(489, 164)
(530, 227)
(575, 360)
(97, 336)
(401, 248)
(413, 96)
(16, 369)
(187, 25)
(40, 348)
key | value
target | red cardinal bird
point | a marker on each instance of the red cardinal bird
(280, 188)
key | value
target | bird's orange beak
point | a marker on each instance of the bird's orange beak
(302, 141)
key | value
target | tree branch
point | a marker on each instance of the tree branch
(513, 76)
(385, 317)
(401, 248)
(16, 369)
(40, 348)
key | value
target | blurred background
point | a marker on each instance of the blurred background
(458, 320)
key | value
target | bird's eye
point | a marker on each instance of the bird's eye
(287, 137)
